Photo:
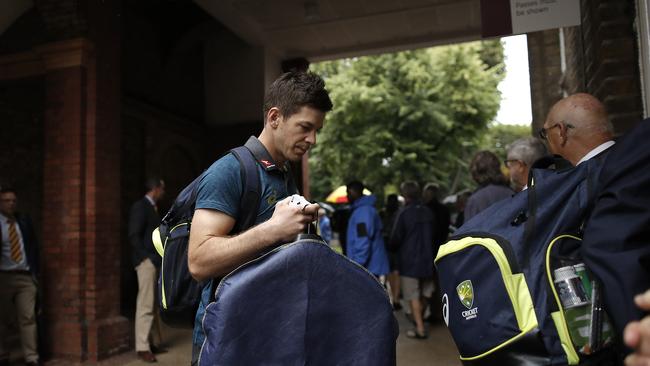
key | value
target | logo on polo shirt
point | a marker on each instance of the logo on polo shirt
(273, 198)
(267, 164)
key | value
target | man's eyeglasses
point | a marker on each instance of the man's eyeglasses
(508, 161)
(543, 132)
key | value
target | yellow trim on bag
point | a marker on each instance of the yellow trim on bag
(563, 332)
(157, 242)
(515, 284)
(558, 316)
(160, 248)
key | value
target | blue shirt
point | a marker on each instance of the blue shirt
(365, 244)
(221, 189)
(325, 228)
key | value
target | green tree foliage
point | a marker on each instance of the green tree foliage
(498, 137)
(409, 115)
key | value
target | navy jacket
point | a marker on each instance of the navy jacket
(485, 197)
(616, 246)
(300, 304)
(413, 236)
(143, 220)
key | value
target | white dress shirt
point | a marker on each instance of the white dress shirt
(600, 148)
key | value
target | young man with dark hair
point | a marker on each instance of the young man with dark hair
(18, 277)
(294, 110)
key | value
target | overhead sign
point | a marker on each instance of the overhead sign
(507, 17)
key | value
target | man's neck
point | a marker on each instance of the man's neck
(8, 216)
(596, 150)
(267, 140)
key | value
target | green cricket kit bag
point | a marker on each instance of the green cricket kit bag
(514, 289)
(178, 293)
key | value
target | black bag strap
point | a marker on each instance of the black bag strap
(554, 162)
(251, 191)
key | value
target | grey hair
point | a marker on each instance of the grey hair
(527, 149)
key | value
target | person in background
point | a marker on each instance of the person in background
(441, 222)
(365, 244)
(578, 129)
(412, 235)
(388, 215)
(461, 201)
(492, 184)
(143, 220)
(324, 225)
(18, 277)
(521, 154)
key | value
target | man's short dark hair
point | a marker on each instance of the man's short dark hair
(153, 182)
(296, 89)
(410, 189)
(4, 190)
(355, 186)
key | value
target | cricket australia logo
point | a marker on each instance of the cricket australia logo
(465, 292)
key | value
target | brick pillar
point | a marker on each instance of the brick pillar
(545, 73)
(81, 209)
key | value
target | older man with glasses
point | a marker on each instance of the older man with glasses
(522, 153)
(577, 128)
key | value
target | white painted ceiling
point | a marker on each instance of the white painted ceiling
(327, 29)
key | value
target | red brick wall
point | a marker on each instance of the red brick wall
(601, 58)
(64, 236)
(82, 177)
(21, 157)
(545, 73)
(611, 60)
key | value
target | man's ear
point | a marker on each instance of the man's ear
(564, 134)
(273, 116)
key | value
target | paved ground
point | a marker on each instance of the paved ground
(438, 349)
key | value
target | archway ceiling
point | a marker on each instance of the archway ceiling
(328, 29)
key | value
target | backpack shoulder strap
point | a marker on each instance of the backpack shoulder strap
(251, 191)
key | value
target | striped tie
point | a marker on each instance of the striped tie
(16, 252)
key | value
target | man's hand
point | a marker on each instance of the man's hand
(289, 219)
(637, 335)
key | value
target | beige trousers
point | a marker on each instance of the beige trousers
(19, 290)
(145, 311)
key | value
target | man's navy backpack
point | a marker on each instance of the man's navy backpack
(179, 294)
(497, 275)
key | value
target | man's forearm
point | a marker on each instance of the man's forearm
(219, 255)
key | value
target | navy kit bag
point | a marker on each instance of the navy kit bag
(514, 288)
(178, 293)
(299, 304)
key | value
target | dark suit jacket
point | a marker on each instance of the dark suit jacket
(616, 246)
(30, 242)
(143, 220)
